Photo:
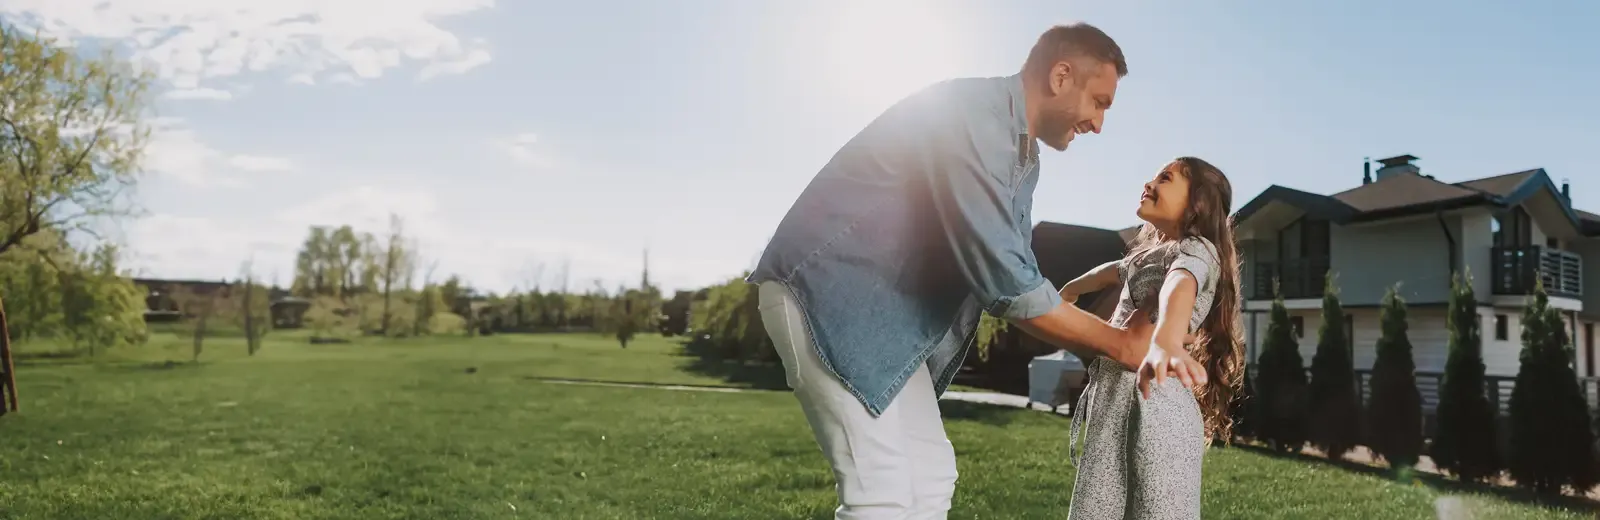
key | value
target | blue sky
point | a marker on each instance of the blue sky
(512, 135)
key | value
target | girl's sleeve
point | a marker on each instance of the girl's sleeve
(1199, 258)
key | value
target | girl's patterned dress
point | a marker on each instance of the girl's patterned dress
(1141, 457)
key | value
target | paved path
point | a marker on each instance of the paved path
(999, 399)
(990, 398)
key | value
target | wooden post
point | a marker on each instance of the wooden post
(8, 370)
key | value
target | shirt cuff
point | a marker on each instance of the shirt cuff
(1031, 304)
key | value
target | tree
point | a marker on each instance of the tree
(1281, 385)
(393, 265)
(991, 331)
(101, 306)
(1551, 443)
(731, 317)
(70, 136)
(253, 311)
(429, 302)
(1395, 409)
(1465, 444)
(1335, 403)
(197, 308)
(330, 320)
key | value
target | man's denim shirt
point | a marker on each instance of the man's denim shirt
(917, 225)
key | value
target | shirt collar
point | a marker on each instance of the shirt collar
(1027, 144)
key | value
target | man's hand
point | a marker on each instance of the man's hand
(1159, 363)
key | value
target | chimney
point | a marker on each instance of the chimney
(1366, 171)
(1397, 165)
(1566, 191)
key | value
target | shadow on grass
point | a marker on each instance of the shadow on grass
(1438, 482)
(700, 358)
(755, 375)
(989, 414)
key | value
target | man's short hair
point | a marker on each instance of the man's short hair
(1071, 43)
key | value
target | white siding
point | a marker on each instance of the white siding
(1368, 259)
(1427, 332)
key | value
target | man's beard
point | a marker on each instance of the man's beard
(1055, 129)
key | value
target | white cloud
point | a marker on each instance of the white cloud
(259, 163)
(471, 61)
(175, 151)
(199, 93)
(192, 42)
(490, 254)
(522, 150)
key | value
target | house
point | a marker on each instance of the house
(1067, 251)
(162, 305)
(1064, 252)
(1401, 226)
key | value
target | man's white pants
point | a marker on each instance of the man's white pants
(898, 465)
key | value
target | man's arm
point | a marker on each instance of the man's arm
(972, 174)
(1067, 324)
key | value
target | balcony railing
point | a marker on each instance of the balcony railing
(1517, 269)
(1295, 278)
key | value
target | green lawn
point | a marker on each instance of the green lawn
(401, 429)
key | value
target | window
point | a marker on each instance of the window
(1299, 325)
(1502, 330)
(1552, 243)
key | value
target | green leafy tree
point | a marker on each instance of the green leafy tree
(731, 317)
(101, 307)
(1335, 404)
(1395, 409)
(1465, 444)
(1551, 440)
(71, 134)
(1281, 386)
(991, 333)
(329, 319)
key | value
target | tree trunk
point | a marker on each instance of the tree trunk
(8, 370)
(249, 318)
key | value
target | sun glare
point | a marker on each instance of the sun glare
(878, 51)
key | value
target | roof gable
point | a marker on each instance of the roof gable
(1408, 193)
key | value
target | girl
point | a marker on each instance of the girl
(1141, 454)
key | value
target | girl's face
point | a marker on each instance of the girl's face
(1165, 198)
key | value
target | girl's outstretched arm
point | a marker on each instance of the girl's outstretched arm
(1096, 279)
(1167, 353)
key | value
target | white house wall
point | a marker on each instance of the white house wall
(1427, 331)
(1368, 259)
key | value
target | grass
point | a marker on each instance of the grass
(402, 429)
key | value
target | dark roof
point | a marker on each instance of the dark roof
(1402, 189)
(1500, 185)
(1405, 194)
(1067, 251)
(1590, 222)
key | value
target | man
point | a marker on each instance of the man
(873, 283)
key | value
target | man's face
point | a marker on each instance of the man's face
(1080, 95)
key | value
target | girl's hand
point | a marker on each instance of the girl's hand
(1159, 363)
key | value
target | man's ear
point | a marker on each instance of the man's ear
(1062, 76)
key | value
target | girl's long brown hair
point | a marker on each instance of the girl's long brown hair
(1218, 346)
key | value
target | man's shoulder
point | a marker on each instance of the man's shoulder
(964, 93)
